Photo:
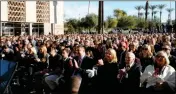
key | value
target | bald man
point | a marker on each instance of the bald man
(132, 70)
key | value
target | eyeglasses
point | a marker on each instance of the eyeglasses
(165, 49)
(159, 56)
(145, 49)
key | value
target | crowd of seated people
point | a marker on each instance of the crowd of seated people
(93, 63)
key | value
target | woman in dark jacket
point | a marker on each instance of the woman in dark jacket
(106, 78)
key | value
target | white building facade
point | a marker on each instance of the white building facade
(31, 17)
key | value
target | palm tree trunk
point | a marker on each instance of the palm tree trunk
(152, 15)
(160, 20)
(138, 14)
(146, 10)
(160, 16)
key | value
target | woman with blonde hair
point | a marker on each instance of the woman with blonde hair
(105, 73)
(154, 75)
(42, 68)
(146, 56)
(43, 58)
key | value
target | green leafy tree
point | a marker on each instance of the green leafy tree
(91, 21)
(119, 13)
(70, 29)
(126, 22)
(111, 22)
(141, 23)
(74, 23)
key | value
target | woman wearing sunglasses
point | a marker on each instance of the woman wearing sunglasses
(155, 75)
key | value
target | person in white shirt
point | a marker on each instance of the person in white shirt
(154, 75)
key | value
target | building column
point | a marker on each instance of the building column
(30, 29)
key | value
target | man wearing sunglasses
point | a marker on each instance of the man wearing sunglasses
(172, 58)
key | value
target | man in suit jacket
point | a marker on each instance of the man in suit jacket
(130, 80)
(81, 63)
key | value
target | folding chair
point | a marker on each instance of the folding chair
(7, 70)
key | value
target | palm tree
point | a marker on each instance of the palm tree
(160, 7)
(169, 10)
(141, 14)
(154, 14)
(152, 7)
(146, 10)
(138, 8)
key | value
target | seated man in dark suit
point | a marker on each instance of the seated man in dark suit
(80, 64)
(129, 76)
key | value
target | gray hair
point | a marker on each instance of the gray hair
(165, 56)
(131, 54)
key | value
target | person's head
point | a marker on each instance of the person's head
(43, 49)
(167, 49)
(133, 46)
(146, 51)
(29, 46)
(161, 59)
(66, 52)
(87, 43)
(89, 53)
(165, 38)
(123, 46)
(110, 56)
(152, 41)
(174, 43)
(32, 50)
(129, 58)
(9, 43)
(109, 43)
(6, 48)
(167, 43)
(81, 51)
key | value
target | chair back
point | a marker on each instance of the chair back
(7, 70)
